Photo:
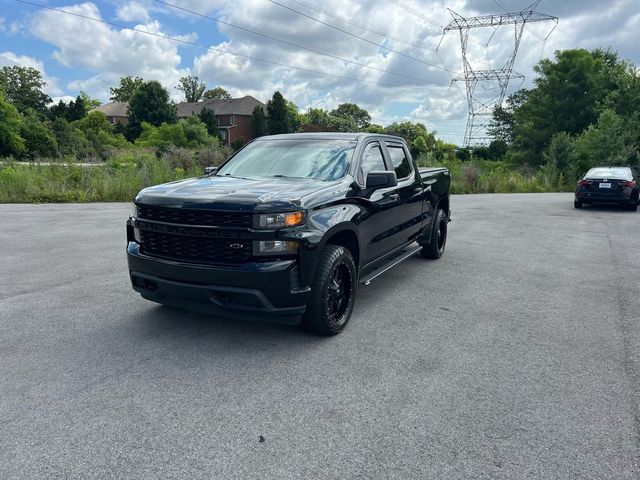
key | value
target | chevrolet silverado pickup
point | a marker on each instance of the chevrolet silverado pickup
(287, 228)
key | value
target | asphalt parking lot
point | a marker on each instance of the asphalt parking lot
(514, 356)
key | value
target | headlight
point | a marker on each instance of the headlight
(134, 211)
(271, 221)
(274, 247)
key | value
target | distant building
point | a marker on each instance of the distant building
(233, 115)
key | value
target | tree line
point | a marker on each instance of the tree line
(32, 126)
(583, 110)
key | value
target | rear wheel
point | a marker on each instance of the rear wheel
(438, 241)
(633, 207)
(332, 293)
(577, 203)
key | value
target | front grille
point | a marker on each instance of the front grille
(195, 249)
(213, 218)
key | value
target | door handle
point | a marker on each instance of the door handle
(394, 197)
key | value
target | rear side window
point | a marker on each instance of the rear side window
(400, 162)
(373, 160)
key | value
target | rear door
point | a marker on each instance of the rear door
(408, 219)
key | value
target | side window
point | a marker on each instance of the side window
(400, 161)
(372, 161)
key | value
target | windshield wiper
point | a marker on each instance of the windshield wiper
(285, 176)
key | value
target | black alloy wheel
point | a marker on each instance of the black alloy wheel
(339, 293)
(332, 292)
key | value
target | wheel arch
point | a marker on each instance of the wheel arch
(346, 236)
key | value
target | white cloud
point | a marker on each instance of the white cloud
(133, 12)
(111, 52)
(9, 59)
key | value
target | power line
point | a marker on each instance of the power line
(416, 13)
(291, 44)
(359, 37)
(357, 25)
(199, 45)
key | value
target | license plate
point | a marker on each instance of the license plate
(605, 185)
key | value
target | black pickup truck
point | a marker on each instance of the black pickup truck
(287, 228)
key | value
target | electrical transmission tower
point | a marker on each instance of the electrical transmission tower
(481, 104)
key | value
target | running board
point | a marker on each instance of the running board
(388, 266)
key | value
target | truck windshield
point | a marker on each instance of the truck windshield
(319, 159)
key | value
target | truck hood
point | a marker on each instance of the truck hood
(232, 193)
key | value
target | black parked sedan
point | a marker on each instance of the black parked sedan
(608, 185)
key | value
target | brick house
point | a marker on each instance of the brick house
(233, 115)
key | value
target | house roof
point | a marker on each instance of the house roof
(232, 106)
(114, 109)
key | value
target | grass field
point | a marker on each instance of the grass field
(126, 173)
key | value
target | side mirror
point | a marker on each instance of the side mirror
(382, 179)
(210, 170)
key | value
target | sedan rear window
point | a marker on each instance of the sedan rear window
(623, 173)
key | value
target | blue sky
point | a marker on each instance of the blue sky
(77, 54)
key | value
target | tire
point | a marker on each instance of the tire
(438, 241)
(633, 207)
(332, 292)
(577, 204)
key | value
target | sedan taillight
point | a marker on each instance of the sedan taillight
(584, 182)
(624, 183)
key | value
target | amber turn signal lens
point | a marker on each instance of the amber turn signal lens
(293, 219)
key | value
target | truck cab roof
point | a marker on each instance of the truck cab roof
(330, 136)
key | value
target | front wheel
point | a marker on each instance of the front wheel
(438, 241)
(577, 204)
(332, 292)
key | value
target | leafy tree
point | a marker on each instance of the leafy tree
(94, 122)
(481, 152)
(208, 117)
(11, 125)
(566, 97)
(197, 133)
(126, 89)
(607, 142)
(89, 103)
(23, 86)
(502, 122)
(497, 149)
(76, 110)
(351, 111)
(258, 122)
(316, 116)
(192, 88)
(374, 128)
(71, 141)
(58, 110)
(463, 154)
(278, 120)
(149, 103)
(295, 119)
(419, 146)
(217, 93)
(559, 157)
(39, 140)
(188, 133)
(410, 132)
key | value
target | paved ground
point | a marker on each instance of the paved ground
(514, 356)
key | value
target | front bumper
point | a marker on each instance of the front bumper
(266, 290)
